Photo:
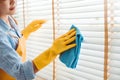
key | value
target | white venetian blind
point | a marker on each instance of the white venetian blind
(19, 14)
(88, 16)
(41, 39)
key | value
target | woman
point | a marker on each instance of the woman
(12, 46)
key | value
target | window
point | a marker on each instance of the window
(98, 21)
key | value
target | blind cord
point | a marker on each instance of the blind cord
(110, 29)
(53, 22)
(105, 40)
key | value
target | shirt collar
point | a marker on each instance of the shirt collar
(14, 25)
(4, 26)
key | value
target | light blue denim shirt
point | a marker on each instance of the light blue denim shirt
(10, 61)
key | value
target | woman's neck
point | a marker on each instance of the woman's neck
(5, 18)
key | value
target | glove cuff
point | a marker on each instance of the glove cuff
(44, 59)
(25, 33)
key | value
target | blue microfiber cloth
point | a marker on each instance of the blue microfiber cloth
(71, 56)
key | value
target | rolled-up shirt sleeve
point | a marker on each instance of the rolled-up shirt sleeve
(11, 62)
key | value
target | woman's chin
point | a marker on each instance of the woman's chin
(12, 13)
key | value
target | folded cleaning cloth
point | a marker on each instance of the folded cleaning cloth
(71, 56)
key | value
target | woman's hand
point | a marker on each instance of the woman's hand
(32, 27)
(64, 42)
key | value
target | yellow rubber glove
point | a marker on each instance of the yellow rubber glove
(60, 45)
(33, 26)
